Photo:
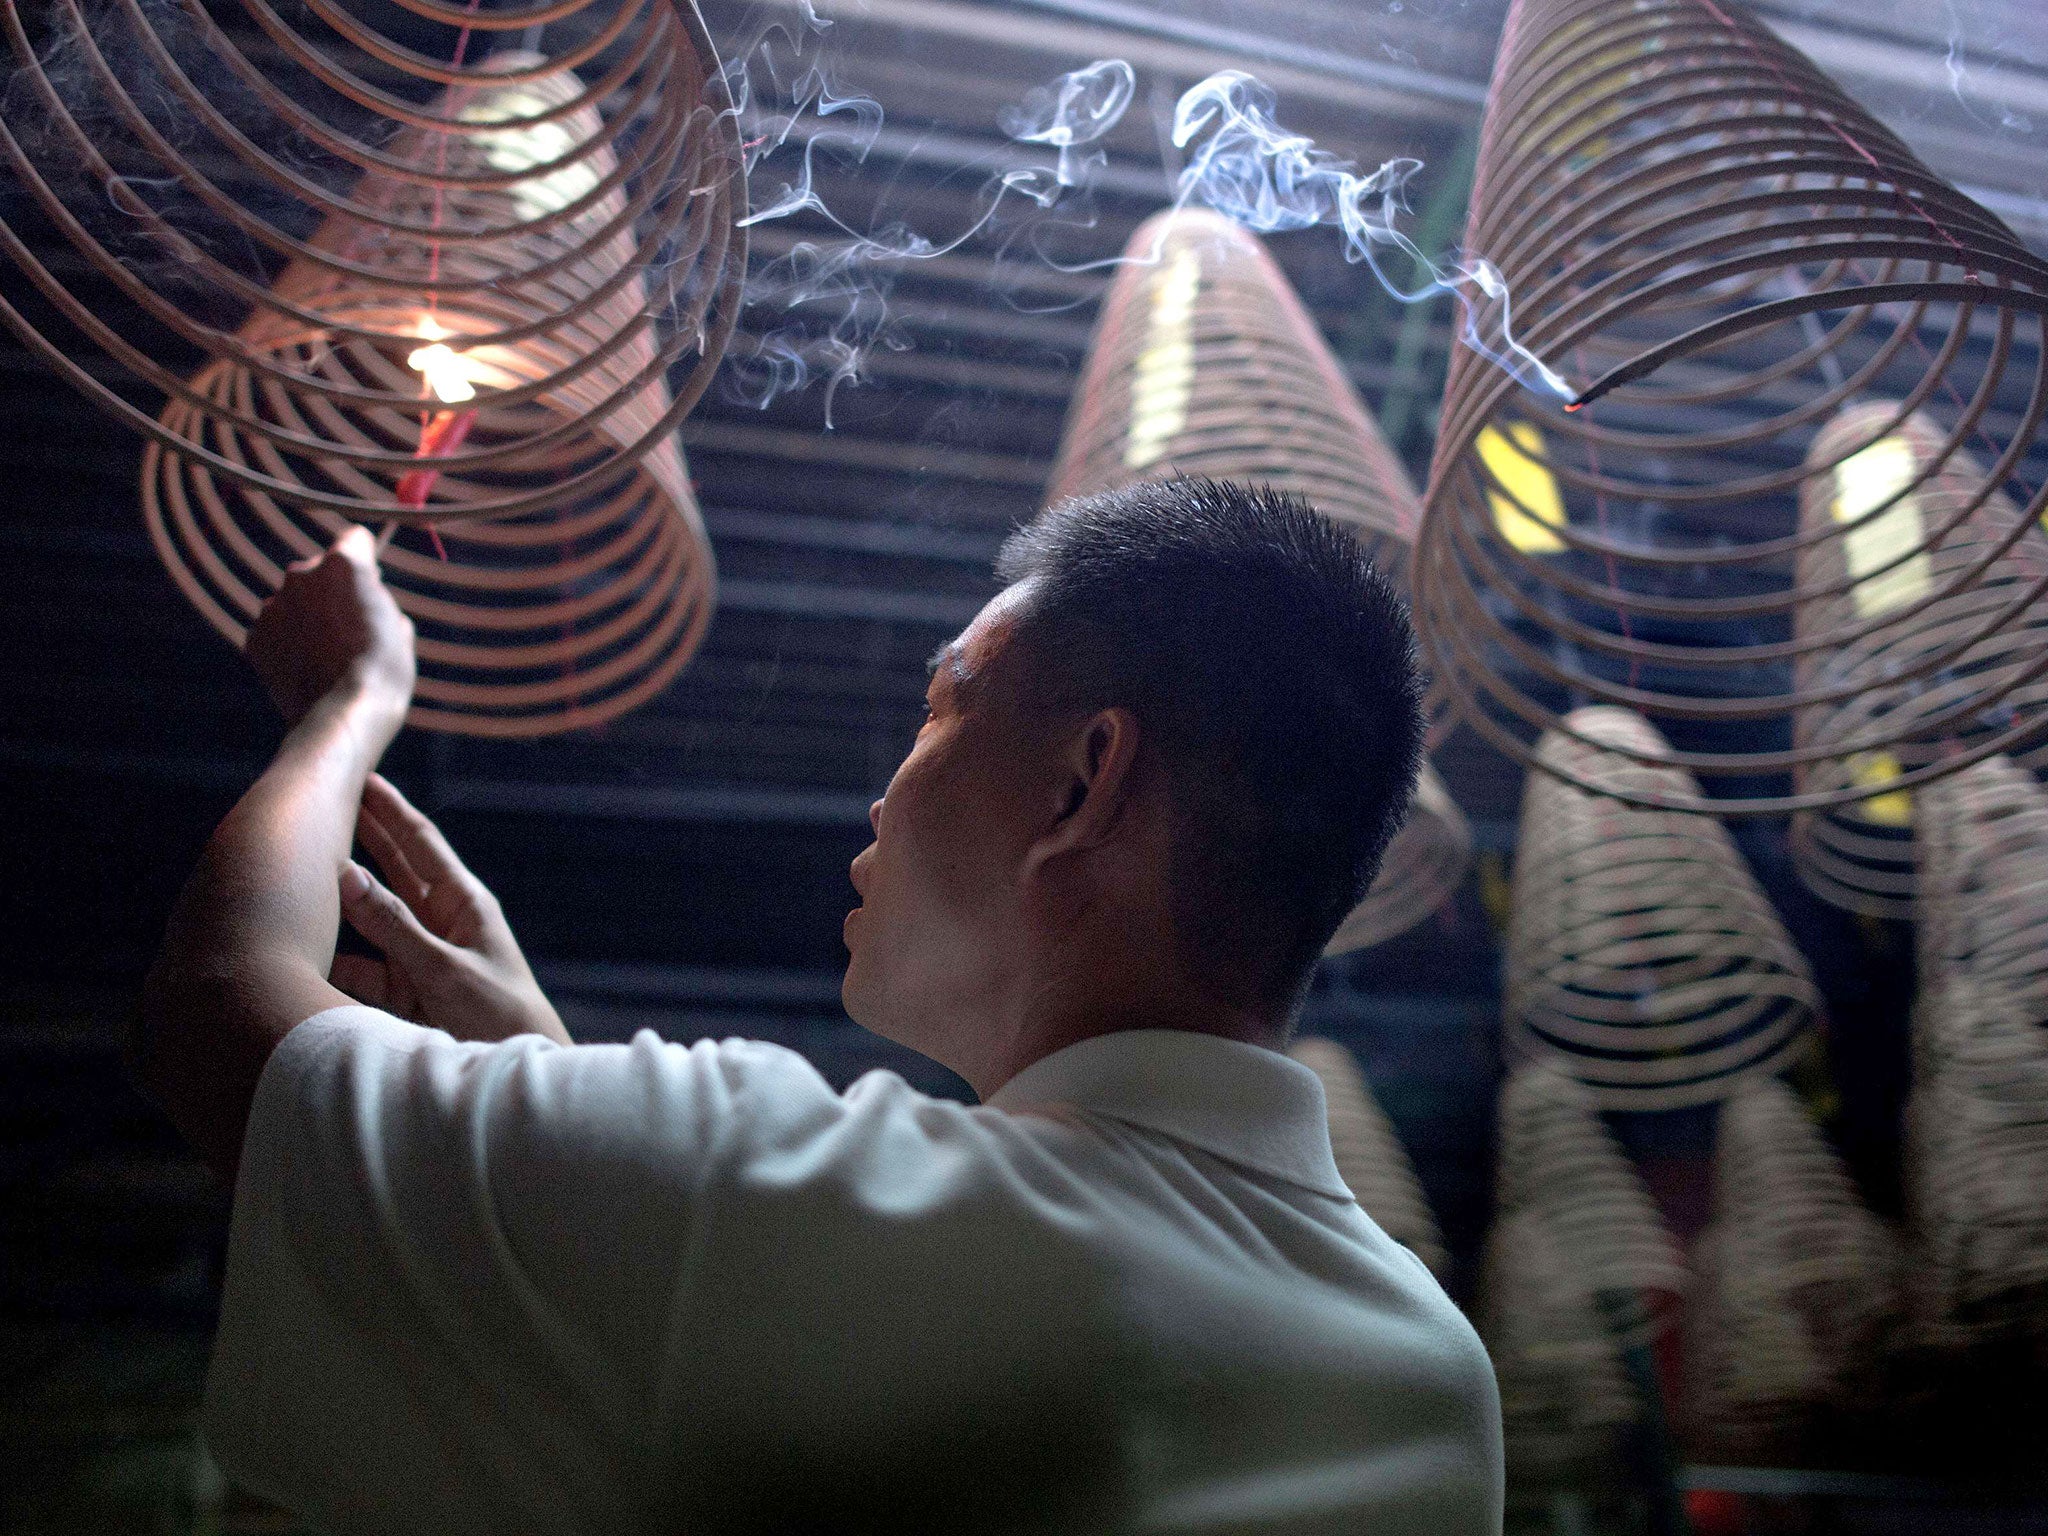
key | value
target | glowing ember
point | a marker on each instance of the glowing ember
(445, 370)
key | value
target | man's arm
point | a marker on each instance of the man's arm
(249, 945)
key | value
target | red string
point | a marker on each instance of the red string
(1844, 135)
(1850, 139)
(440, 431)
(1969, 269)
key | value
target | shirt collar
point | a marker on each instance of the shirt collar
(1241, 1102)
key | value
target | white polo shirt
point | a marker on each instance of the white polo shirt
(523, 1289)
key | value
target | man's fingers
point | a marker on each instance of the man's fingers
(389, 923)
(425, 849)
(389, 856)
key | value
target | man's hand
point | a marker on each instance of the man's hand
(334, 627)
(450, 960)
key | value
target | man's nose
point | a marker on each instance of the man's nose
(875, 817)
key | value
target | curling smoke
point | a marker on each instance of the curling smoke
(820, 303)
(1078, 108)
(1250, 169)
(1959, 77)
(1244, 166)
(840, 283)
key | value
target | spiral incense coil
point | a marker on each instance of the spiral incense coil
(527, 624)
(1689, 215)
(1423, 865)
(1977, 1163)
(1977, 1122)
(1982, 842)
(1976, 1156)
(1642, 957)
(1369, 1155)
(1560, 1166)
(1799, 1281)
(1564, 1392)
(1896, 522)
(1205, 363)
(1579, 1267)
(471, 323)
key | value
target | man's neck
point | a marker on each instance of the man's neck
(1054, 1029)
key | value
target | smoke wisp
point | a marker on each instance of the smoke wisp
(1078, 108)
(1240, 162)
(1250, 169)
(830, 295)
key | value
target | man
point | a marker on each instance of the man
(482, 1280)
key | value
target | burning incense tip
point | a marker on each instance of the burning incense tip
(445, 372)
(441, 435)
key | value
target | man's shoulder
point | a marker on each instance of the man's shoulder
(759, 1117)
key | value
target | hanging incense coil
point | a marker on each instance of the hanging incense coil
(1642, 956)
(1977, 1123)
(1579, 1267)
(1894, 522)
(1564, 1392)
(1559, 1163)
(1976, 1164)
(1205, 363)
(472, 323)
(1798, 1280)
(1982, 840)
(1423, 865)
(530, 624)
(1370, 1156)
(1689, 215)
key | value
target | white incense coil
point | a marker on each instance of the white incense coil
(1205, 363)
(1977, 1162)
(1579, 1267)
(1642, 956)
(1369, 1155)
(1561, 1165)
(1982, 845)
(1913, 550)
(1563, 1389)
(528, 623)
(455, 291)
(1799, 1282)
(1977, 1123)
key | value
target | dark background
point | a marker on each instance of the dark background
(683, 869)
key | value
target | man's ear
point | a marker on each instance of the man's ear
(1098, 764)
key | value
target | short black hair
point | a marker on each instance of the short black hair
(1274, 669)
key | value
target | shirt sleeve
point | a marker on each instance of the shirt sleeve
(451, 1266)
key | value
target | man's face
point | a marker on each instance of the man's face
(936, 938)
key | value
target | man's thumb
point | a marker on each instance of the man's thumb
(384, 920)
